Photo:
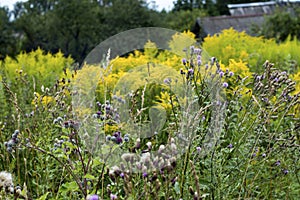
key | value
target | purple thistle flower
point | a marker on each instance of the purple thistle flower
(199, 62)
(285, 171)
(122, 175)
(93, 197)
(283, 73)
(199, 57)
(184, 61)
(230, 146)
(221, 74)
(192, 49)
(191, 71)
(197, 51)
(231, 73)
(119, 140)
(258, 78)
(117, 134)
(145, 174)
(225, 85)
(113, 197)
(277, 163)
(206, 66)
(167, 81)
(264, 155)
(198, 149)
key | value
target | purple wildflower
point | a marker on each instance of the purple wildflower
(206, 66)
(122, 175)
(93, 197)
(225, 85)
(221, 74)
(231, 73)
(117, 134)
(230, 146)
(199, 62)
(145, 174)
(184, 61)
(198, 149)
(192, 49)
(167, 81)
(264, 155)
(199, 57)
(277, 163)
(285, 171)
(119, 140)
(113, 197)
(197, 51)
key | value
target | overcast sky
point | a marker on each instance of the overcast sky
(166, 4)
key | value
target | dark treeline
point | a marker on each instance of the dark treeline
(77, 26)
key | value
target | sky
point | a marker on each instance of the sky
(166, 4)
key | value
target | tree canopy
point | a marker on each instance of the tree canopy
(76, 26)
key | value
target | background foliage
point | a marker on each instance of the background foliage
(75, 27)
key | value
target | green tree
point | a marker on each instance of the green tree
(184, 19)
(54, 25)
(126, 14)
(187, 4)
(77, 26)
(281, 25)
(8, 42)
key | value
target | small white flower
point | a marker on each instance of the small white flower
(172, 140)
(161, 148)
(149, 145)
(113, 170)
(145, 157)
(5, 179)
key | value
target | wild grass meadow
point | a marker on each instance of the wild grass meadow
(222, 121)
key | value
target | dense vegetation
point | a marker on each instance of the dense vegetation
(217, 121)
(249, 104)
(76, 27)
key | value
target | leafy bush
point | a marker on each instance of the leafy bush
(253, 50)
(28, 73)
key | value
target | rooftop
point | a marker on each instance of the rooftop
(243, 17)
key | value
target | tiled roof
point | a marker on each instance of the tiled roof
(243, 17)
(212, 25)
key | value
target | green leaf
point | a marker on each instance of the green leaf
(89, 176)
(71, 186)
(44, 197)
